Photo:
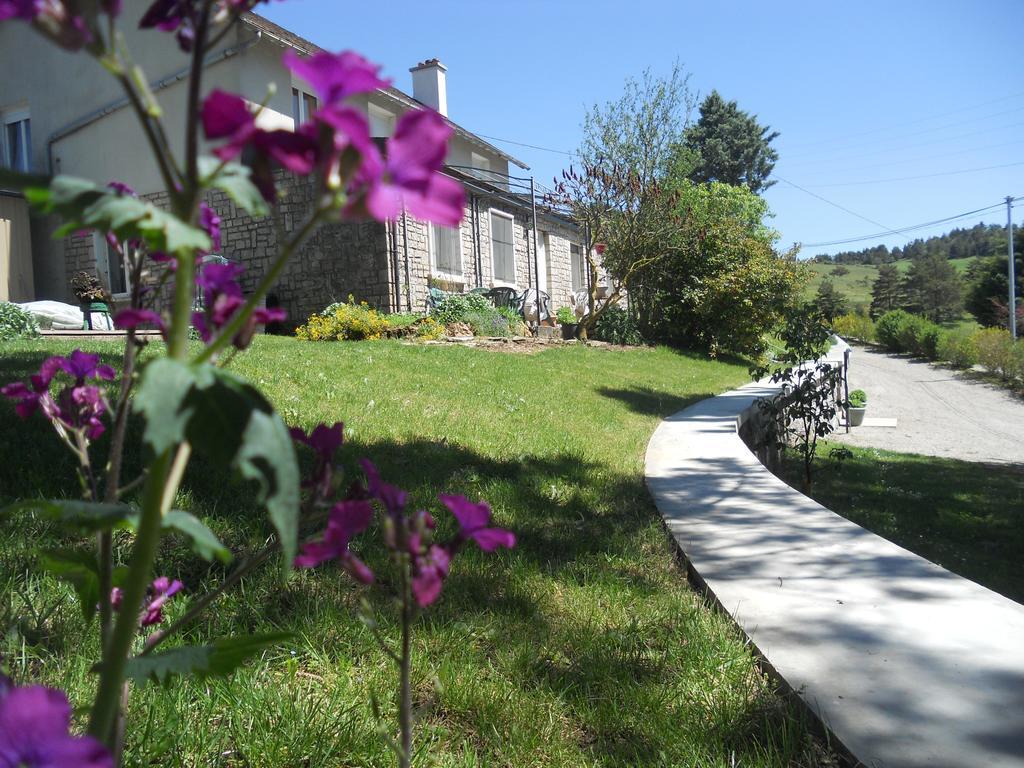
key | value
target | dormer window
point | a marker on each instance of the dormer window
(382, 122)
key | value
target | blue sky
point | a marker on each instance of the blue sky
(862, 92)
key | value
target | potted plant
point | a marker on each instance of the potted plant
(567, 320)
(92, 297)
(856, 407)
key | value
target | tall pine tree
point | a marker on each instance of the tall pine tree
(934, 289)
(730, 146)
(887, 292)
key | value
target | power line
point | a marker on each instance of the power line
(891, 126)
(531, 146)
(835, 205)
(911, 178)
(903, 230)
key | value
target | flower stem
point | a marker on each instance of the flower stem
(106, 705)
(405, 674)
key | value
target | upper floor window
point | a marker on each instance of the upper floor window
(16, 141)
(503, 247)
(303, 106)
(382, 122)
(446, 249)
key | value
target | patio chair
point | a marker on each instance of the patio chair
(505, 297)
(434, 298)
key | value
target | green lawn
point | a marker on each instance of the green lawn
(965, 516)
(584, 646)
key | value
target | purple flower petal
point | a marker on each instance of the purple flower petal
(226, 115)
(392, 497)
(429, 571)
(128, 319)
(34, 724)
(335, 76)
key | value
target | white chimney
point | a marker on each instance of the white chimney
(429, 86)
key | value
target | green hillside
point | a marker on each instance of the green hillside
(856, 284)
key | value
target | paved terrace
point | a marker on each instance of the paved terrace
(907, 663)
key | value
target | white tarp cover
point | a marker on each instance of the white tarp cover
(59, 316)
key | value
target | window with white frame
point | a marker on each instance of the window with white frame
(503, 247)
(382, 122)
(303, 106)
(16, 140)
(111, 265)
(578, 267)
(446, 250)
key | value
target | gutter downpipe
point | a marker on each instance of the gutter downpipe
(536, 256)
(405, 258)
(157, 85)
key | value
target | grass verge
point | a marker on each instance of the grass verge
(582, 647)
(966, 516)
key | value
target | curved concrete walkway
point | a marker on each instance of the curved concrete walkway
(907, 663)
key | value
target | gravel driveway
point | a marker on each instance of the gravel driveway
(939, 412)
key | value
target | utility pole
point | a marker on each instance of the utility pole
(1013, 277)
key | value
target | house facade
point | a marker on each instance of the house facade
(63, 114)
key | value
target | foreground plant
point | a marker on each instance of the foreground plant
(189, 403)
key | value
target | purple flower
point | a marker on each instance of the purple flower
(129, 319)
(347, 519)
(122, 189)
(26, 10)
(409, 178)
(392, 497)
(34, 723)
(474, 520)
(162, 589)
(429, 570)
(227, 116)
(81, 366)
(81, 408)
(210, 222)
(116, 598)
(335, 76)
(324, 440)
(54, 17)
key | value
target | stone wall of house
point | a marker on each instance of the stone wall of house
(338, 260)
(477, 258)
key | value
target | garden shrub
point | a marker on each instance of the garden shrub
(888, 328)
(16, 323)
(996, 351)
(344, 322)
(928, 337)
(616, 326)
(487, 322)
(957, 348)
(428, 328)
(400, 320)
(455, 307)
(910, 336)
(855, 325)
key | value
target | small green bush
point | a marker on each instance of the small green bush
(855, 325)
(957, 348)
(997, 351)
(399, 320)
(565, 316)
(928, 338)
(456, 307)
(16, 323)
(617, 326)
(858, 398)
(888, 328)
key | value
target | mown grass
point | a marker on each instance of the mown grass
(965, 516)
(584, 646)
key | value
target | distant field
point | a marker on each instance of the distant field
(856, 284)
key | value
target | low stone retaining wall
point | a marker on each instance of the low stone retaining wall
(906, 663)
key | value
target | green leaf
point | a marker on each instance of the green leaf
(83, 204)
(161, 400)
(218, 659)
(228, 420)
(233, 179)
(86, 516)
(80, 570)
(204, 541)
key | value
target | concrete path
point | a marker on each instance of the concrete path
(908, 664)
(939, 412)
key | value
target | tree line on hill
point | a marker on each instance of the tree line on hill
(981, 240)
(933, 288)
